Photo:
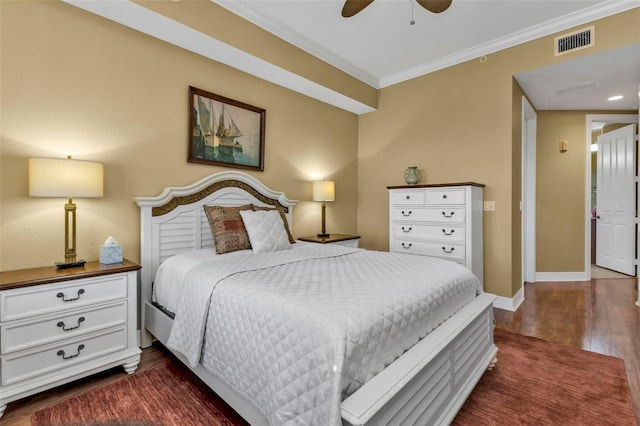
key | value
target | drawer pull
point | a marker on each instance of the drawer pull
(62, 354)
(408, 197)
(406, 230)
(448, 233)
(444, 196)
(65, 328)
(408, 246)
(406, 214)
(448, 251)
(62, 296)
(448, 215)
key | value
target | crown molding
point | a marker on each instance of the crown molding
(587, 15)
(244, 9)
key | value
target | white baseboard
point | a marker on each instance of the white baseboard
(561, 276)
(509, 303)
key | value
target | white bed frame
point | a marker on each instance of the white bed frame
(427, 385)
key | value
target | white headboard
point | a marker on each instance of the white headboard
(175, 222)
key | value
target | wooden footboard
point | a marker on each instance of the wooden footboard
(431, 381)
(427, 385)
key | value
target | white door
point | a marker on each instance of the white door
(615, 226)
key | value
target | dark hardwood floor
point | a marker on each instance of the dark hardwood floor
(598, 316)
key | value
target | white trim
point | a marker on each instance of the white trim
(563, 276)
(156, 25)
(509, 304)
(243, 8)
(589, 119)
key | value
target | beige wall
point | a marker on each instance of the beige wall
(74, 83)
(560, 192)
(457, 125)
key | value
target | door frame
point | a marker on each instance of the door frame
(528, 202)
(590, 118)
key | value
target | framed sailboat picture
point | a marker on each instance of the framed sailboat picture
(225, 132)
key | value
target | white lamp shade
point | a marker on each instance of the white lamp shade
(324, 190)
(65, 178)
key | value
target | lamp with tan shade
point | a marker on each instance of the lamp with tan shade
(66, 178)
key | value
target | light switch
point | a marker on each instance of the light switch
(489, 206)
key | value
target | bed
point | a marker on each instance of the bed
(425, 383)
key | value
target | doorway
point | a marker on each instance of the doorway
(592, 123)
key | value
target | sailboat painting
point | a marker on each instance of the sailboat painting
(225, 132)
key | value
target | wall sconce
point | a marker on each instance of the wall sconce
(66, 178)
(324, 190)
(563, 146)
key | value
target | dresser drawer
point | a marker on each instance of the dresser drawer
(28, 334)
(413, 197)
(442, 214)
(447, 250)
(444, 232)
(55, 358)
(445, 196)
(39, 300)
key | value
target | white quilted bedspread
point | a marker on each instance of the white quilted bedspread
(296, 331)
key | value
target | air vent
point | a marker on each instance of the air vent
(576, 40)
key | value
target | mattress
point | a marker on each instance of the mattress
(296, 331)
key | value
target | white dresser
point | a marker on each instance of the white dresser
(59, 325)
(443, 220)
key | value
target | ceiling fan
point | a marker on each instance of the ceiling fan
(351, 7)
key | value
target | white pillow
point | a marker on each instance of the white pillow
(266, 230)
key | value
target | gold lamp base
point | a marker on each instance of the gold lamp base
(70, 260)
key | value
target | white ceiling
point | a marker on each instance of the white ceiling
(588, 82)
(380, 47)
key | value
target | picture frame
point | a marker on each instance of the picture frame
(225, 132)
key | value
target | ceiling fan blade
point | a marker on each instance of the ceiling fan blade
(435, 6)
(351, 7)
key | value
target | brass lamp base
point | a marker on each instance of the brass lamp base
(324, 235)
(74, 264)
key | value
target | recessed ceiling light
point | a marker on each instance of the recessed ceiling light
(615, 98)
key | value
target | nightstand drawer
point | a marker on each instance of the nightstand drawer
(444, 232)
(442, 214)
(55, 358)
(23, 335)
(448, 250)
(39, 300)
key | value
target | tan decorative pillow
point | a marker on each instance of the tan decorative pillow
(227, 228)
(284, 219)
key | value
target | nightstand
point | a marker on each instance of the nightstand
(58, 325)
(339, 239)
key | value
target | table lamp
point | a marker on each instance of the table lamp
(324, 190)
(66, 178)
